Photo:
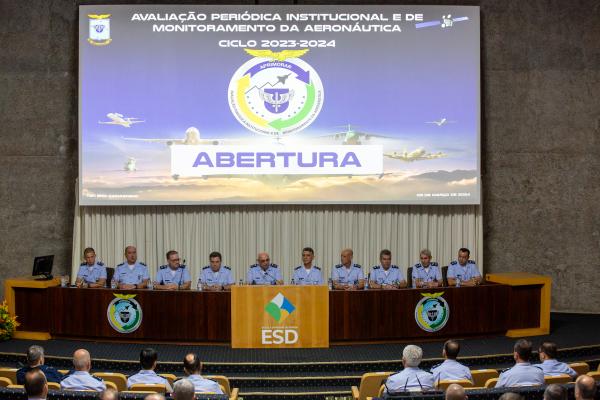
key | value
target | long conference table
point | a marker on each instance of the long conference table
(512, 304)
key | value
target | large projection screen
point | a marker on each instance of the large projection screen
(187, 104)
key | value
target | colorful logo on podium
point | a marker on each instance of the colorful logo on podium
(124, 313)
(432, 312)
(279, 308)
(99, 34)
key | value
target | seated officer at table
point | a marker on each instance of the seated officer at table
(215, 277)
(347, 275)
(91, 273)
(307, 273)
(411, 378)
(385, 275)
(174, 275)
(426, 274)
(131, 274)
(522, 373)
(263, 272)
(463, 270)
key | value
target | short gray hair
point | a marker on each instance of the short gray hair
(412, 355)
(425, 252)
(183, 389)
(34, 354)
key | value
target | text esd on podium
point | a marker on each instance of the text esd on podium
(279, 316)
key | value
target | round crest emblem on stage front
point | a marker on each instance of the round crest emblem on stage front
(124, 313)
(432, 312)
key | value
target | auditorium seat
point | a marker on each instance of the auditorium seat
(221, 380)
(148, 387)
(10, 373)
(409, 277)
(445, 275)
(369, 385)
(443, 384)
(53, 386)
(120, 380)
(111, 385)
(581, 368)
(563, 378)
(490, 383)
(15, 386)
(64, 371)
(4, 381)
(595, 375)
(481, 376)
(170, 377)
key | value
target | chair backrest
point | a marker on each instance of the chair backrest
(370, 384)
(223, 381)
(381, 390)
(120, 380)
(10, 373)
(595, 375)
(480, 376)
(5, 382)
(443, 384)
(170, 377)
(581, 368)
(111, 385)
(110, 272)
(490, 383)
(53, 385)
(15, 387)
(148, 387)
(445, 275)
(409, 282)
(563, 378)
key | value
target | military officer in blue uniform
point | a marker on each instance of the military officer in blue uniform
(173, 275)
(548, 352)
(411, 378)
(347, 275)
(193, 367)
(216, 277)
(81, 379)
(307, 273)
(263, 272)
(426, 274)
(463, 271)
(450, 369)
(522, 373)
(148, 360)
(91, 273)
(131, 274)
(385, 275)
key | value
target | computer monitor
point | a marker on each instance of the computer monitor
(43, 266)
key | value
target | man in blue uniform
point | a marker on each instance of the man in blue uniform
(523, 373)
(35, 360)
(347, 275)
(263, 272)
(450, 369)
(216, 277)
(307, 273)
(426, 274)
(548, 352)
(193, 368)
(131, 274)
(148, 357)
(81, 379)
(91, 273)
(463, 271)
(174, 275)
(411, 378)
(385, 275)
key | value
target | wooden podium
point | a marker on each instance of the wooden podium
(279, 316)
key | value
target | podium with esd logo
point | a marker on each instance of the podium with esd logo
(279, 316)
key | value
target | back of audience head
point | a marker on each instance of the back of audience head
(35, 356)
(82, 360)
(192, 364)
(109, 394)
(183, 389)
(36, 384)
(154, 396)
(522, 350)
(451, 349)
(510, 396)
(555, 392)
(148, 357)
(412, 356)
(585, 388)
(548, 351)
(455, 392)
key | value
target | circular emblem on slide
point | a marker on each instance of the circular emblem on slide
(124, 313)
(432, 312)
(275, 96)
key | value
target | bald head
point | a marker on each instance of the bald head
(154, 396)
(585, 388)
(82, 360)
(455, 392)
(346, 257)
(109, 394)
(263, 260)
(36, 384)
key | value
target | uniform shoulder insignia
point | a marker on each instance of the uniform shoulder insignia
(506, 369)
(435, 366)
(144, 264)
(298, 267)
(163, 266)
(470, 262)
(376, 267)
(339, 266)
(434, 264)
(207, 267)
(317, 268)
(254, 266)
(395, 267)
(357, 266)
(537, 366)
(454, 262)
(82, 264)
(274, 266)
(96, 378)
(226, 267)
(100, 263)
(418, 265)
(120, 265)
(182, 266)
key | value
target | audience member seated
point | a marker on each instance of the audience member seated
(183, 389)
(154, 396)
(148, 357)
(193, 367)
(510, 396)
(585, 388)
(81, 379)
(550, 365)
(455, 392)
(451, 369)
(555, 392)
(411, 378)
(109, 394)
(522, 373)
(36, 386)
(35, 359)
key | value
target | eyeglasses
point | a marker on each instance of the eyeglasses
(174, 259)
(264, 260)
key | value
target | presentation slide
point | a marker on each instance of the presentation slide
(246, 104)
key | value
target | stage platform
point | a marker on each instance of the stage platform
(313, 373)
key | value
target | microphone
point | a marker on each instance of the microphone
(271, 276)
